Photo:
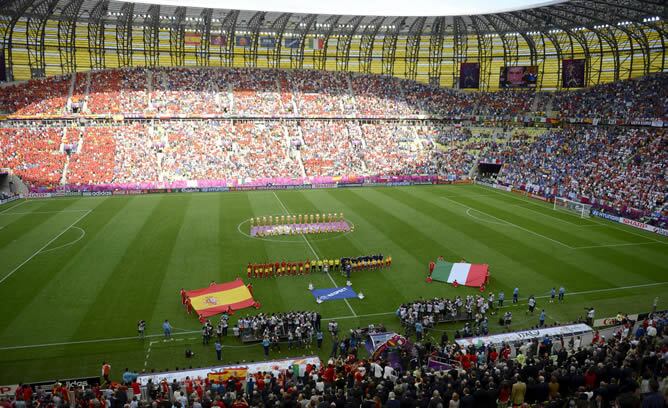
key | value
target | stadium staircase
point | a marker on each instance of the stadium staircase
(230, 97)
(86, 92)
(63, 178)
(298, 152)
(149, 87)
(70, 92)
(352, 94)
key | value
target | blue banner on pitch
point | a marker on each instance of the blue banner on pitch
(334, 293)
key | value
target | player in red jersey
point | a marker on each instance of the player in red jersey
(183, 296)
(432, 265)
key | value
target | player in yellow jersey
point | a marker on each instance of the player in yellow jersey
(337, 264)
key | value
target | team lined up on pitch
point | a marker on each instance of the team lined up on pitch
(298, 224)
(344, 265)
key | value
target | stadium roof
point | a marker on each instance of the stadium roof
(632, 32)
(370, 7)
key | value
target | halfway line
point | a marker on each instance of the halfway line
(314, 253)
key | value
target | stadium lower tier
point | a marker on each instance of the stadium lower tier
(622, 168)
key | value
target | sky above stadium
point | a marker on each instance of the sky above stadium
(367, 7)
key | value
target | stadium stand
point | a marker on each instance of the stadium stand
(620, 371)
(309, 124)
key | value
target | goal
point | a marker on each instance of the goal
(565, 204)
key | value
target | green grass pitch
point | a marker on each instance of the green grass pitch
(77, 273)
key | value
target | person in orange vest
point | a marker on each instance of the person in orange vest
(106, 370)
(189, 306)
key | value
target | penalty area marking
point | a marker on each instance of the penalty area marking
(608, 224)
(510, 223)
(618, 245)
(4, 278)
(82, 234)
(620, 288)
(468, 212)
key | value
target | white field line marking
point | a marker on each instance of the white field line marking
(592, 219)
(468, 212)
(510, 223)
(4, 278)
(546, 215)
(42, 212)
(14, 206)
(148, 352)
(83, 234)
(618, 245)
(508, 305)
(314, 253)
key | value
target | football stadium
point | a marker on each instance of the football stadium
(334, 204)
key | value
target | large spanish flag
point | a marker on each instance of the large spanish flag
(220, 298)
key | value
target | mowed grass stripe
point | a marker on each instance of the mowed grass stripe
(545, 257)
(81, 277)
(326, 201)
(584, 236)
(475, 243)
(613, 227)
(410, 248)
(53, 281)
(295, 289)
(191, 263)
(25, 233)
(626, 260)
(128, 290)
(500, 246)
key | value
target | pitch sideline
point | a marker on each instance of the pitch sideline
(149, 336)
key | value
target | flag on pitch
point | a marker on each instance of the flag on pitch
(464, 273)
(219, 298)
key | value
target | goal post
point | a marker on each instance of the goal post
(564, 204)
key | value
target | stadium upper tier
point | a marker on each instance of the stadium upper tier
(616, 39)
(270, 93)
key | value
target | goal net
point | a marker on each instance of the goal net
(564, 204)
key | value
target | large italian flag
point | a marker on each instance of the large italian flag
(463, 273)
